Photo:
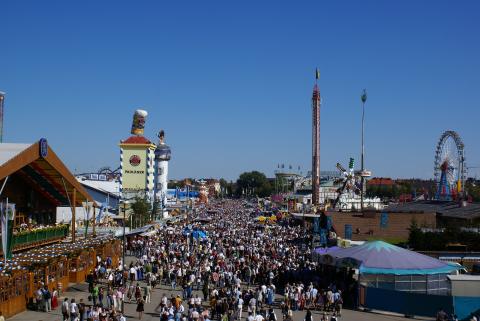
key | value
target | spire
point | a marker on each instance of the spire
(316, 91)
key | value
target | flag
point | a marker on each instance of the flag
(102, 211)
(316, 225)
(348, 231)
(10, 216)
(3, 222)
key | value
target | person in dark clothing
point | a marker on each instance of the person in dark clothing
(308, 315)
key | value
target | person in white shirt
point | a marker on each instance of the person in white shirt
(240, 308)
(73, 310)
(252, 306)
(259, 317)
(198, 301)
(65, 309)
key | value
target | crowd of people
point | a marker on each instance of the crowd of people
(225, 265)
(236, 263)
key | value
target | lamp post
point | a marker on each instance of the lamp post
(364, 99)
(124, 207)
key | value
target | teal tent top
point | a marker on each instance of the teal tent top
(378, 257)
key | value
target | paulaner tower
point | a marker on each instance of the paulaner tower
(316, 141)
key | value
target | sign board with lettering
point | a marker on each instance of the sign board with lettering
(134, 169)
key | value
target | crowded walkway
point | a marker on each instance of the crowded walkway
(221, 265)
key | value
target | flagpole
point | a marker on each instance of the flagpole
(5, 250)
(364, 99)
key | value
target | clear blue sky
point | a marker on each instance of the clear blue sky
(230, 81)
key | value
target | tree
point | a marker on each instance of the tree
(141, 211)
(415, 236)
(253, 183)
(473, 190)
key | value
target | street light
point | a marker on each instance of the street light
(364, 99)
(124, 206)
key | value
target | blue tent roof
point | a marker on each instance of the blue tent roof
(379, 257)
(199, 234)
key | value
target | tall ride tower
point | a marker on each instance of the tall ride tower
(162, 156)
(316, 142)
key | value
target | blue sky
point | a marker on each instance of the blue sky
(230, 81)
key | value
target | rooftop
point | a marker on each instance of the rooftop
(107, 187)
(445, 209)
(9, 150)
(136, 140)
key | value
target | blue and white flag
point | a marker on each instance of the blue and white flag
(4, 229)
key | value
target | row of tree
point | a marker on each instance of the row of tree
(441, 241)
(252, 183)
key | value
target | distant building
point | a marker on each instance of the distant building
(105, 192)
(213, 187)
(380, 181)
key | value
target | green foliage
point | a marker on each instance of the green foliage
(255, 183)
(438, 241)
(141, 212)
(227, 187)
(473, 190)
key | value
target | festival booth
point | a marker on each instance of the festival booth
(54, 265)
(14, 285)
(46, 266)
(113, 250)
(109, 247)
(395, 279)
(80, 264)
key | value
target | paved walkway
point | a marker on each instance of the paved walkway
(80, 291)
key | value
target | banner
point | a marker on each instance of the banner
(316, 225)
(384, 220)
(329, 223)
(323, 237)
(10, 220)
(7, 216)
(348, 231)
(3, 222)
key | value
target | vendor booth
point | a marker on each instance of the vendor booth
(46, 266)
(395, 279)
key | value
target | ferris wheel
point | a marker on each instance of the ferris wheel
(449, 166)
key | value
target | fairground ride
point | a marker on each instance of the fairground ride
(449, 167)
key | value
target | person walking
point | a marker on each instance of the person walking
(140, 308)
(65, 309)
(54, 299)
(73, 310)
(81, 310)
(308, 315)
(47, 297)
(240, 307)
